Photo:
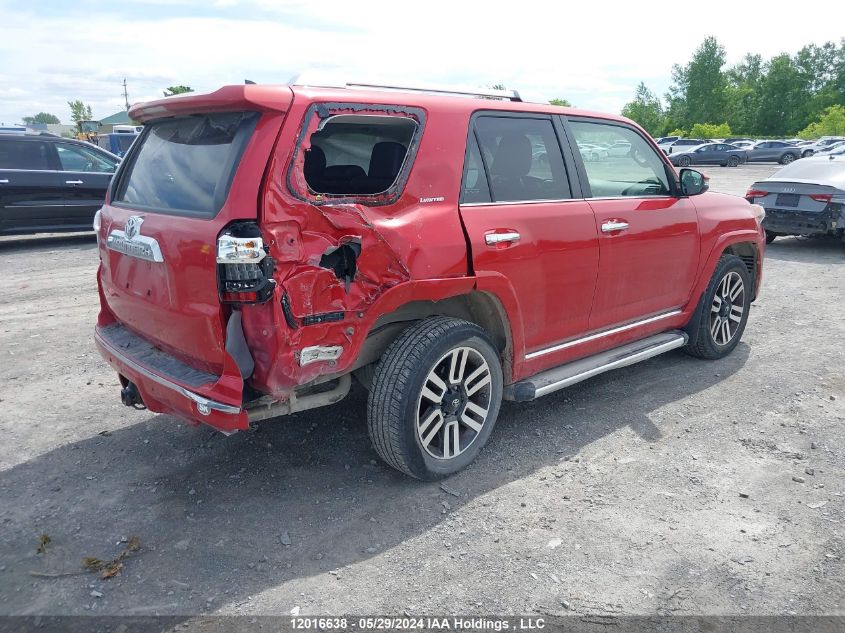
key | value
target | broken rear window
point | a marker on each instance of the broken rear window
(356, 155)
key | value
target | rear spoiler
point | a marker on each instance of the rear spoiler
(251, 97)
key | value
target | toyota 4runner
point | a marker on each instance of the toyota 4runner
(261, 246)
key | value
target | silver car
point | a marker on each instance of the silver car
(806, 197)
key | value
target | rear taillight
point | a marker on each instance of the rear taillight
(821, 197)
(244, 270)
(756, 193)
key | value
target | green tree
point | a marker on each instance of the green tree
(783, 99)
(560, 102)
(177, 90)
(41, 117)
(79, 112)
(710, 130)
(742, 94)
(646, 110)
(830, 123)
(706, 83)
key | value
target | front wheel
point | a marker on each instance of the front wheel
(726, 304)
(807, 153)
(733, 161)
(435, 397)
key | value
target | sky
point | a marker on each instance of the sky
(592, 53)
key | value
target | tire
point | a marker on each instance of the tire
(409, 427)
(733, 161)
(807, 153)
(770, 237)
(730, 279)
(787, 158)
(684, 161)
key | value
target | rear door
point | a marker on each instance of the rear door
(86, 174)
(526, 226)
(31, 191)
(649, 241)
(185, 180)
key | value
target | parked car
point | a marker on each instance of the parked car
(683, 144)
(743, 144)
(804, 198)
(262, 245)
(592, 152)
(51, 184)
(773, 152)
(830, 148)
(709, 154)
(821, 144)
(619, 148)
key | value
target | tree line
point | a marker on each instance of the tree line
(788, 95)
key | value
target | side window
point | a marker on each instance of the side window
(638, 172)
(523, 158)
(75, 158)
(32, 155)
(474, 187)
(357, 154)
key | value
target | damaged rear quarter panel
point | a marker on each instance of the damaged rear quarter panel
(401, 240)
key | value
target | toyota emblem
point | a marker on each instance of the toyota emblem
(133, 227)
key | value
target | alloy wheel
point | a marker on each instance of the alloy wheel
(727, 308)
(454, 403)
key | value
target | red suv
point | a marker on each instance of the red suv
(260, 246)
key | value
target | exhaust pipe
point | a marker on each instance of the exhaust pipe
(130, 396)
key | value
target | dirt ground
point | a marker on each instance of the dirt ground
(673, 486)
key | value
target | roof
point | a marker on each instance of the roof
(117, 118)
(278, 98)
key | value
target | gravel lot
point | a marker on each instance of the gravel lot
(673, 486)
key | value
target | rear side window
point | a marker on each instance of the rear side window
(358, 154)
(24, 155)
(184, 166)
(523, 159)
(638, 172)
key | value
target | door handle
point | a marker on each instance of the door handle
(493, 239)
(73, 182)
(613, 225)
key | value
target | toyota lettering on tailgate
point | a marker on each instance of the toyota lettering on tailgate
(130, 242)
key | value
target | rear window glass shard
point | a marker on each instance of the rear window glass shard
(355, 152)
(185, 165)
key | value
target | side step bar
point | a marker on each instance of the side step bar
(565, 375)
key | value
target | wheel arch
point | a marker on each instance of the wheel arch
(479, 307)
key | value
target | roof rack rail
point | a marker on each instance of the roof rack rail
(307, 79)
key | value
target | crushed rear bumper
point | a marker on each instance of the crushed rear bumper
(167, 385)
(796, 222)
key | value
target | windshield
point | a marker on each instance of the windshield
(184, 166)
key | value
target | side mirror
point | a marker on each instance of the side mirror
(693, 182)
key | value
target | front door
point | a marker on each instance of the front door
(525, 226)
(648, 237)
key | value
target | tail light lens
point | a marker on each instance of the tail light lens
(244, 269)
(756, 193)
(821, 197)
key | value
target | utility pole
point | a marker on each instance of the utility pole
(125, 94)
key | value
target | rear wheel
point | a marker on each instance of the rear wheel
(770, 237)
(787, 158)
(435, 397)
(726, 304)
(684, 161)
